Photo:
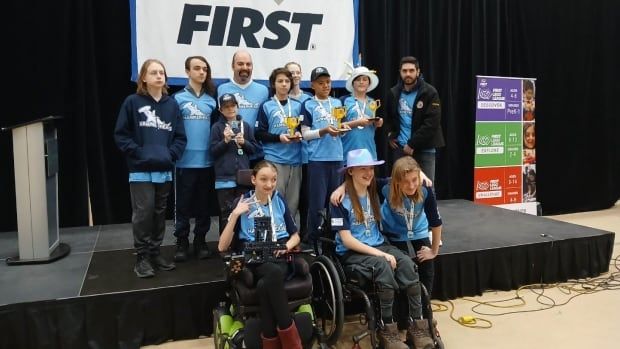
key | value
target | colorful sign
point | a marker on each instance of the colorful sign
(505, 143)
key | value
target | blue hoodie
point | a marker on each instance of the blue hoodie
(150, 133)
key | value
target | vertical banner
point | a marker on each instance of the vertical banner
(505, 143)
(312, 33)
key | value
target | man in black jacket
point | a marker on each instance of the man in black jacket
(414, 117)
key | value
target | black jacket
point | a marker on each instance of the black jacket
(226, 160)
(426, 130)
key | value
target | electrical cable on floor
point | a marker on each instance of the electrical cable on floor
(572, 288)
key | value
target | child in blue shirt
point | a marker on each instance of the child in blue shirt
(359, 113)
(319, 129)
(194, 178)
(362, 248)
(277, 327)
(279, 146)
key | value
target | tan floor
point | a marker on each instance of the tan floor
(587, 321)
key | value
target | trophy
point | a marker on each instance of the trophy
(373, 106)
(291, 122)
(339, 113)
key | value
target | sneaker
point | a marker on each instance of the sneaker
(143, 267)
(182, 248)
(161, 263)
(389, 338)
(419, 335)
(201, 250)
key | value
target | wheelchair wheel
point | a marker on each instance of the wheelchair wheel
(327, 298)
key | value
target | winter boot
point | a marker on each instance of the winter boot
(271, 343)
(201, 250)
(418, 334)
(289, 337)
(389, 338)
(182, 248)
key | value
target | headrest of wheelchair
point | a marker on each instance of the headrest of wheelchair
(244, 178)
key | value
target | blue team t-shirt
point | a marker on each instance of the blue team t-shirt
(424, 213)
(283, 221)
(317, 115)
(197, 117)
(271, 116)
(357, 138)
(343, 218)
(405, 113)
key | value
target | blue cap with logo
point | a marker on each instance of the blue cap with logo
(227, 98)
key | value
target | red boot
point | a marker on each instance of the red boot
(289, 337)
(271, 343)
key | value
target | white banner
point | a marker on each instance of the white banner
(313, 33)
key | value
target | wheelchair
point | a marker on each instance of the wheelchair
(236, 321)
(357, 291)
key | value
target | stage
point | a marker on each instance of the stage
(92, 298)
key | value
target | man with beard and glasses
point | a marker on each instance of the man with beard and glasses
(248, 93)
(414, 117)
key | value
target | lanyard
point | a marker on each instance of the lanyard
(271, 217)
(367, 215)
(323, 108)
(288, 102)
(361, 111)
(409, 217)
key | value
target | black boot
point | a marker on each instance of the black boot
(182, 248)
(201, 250)
(161, 263)
(143, 267)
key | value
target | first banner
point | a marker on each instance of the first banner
(313, 33)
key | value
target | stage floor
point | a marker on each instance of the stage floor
(483, 248)
(101, 259)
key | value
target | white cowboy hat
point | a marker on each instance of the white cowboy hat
(360, 157)
(374, 80)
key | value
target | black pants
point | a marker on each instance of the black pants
(426, 270)
(272, 297)
(148, 202)
(193, 187)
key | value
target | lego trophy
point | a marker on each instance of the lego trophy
(373, 106)
(291, 123)
(339, 113)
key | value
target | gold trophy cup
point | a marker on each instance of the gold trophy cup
(291, 122)
(373, 106)
(339, 113)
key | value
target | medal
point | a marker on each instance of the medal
(239, 151)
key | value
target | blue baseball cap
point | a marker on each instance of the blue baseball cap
(227, 98)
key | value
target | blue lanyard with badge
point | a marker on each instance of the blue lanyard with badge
(410, 216)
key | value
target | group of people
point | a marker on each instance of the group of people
(208, 136)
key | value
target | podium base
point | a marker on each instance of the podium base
(59, 252)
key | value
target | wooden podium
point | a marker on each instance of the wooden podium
(35, 155)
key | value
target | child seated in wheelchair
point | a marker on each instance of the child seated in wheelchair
(360, 245)
(277, 326)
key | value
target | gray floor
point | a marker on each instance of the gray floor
(64, 278)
